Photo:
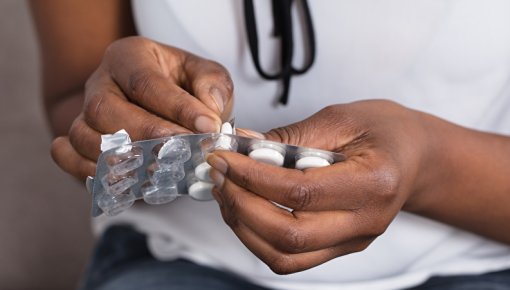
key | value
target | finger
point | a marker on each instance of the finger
(85, 140)
(281, 263)
(330, 129)
(249, 133)
(70, 160)
(290, 232)
(107, 111)
(210, 82)
(345, 185)
(152, 78)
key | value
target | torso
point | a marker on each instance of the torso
(449, 58)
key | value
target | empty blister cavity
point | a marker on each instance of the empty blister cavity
(117, 184)
(172, 151)
(313, 159)
(218, 142)
(267, 152)
(114, 204)
(158, 195)
(124, 159)
(165, 176)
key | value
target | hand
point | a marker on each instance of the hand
(339, 209)
(149, 89)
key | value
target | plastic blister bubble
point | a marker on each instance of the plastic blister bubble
(124, 159)
(313, 159)
(116, 184)
(113, 204)
(167, 175)
(159, 171)
(172, 151)
(268, 152)
(154, 195)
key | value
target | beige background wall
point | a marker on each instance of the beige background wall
(44, 226)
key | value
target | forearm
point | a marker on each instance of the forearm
(73, 36)
(470, 174)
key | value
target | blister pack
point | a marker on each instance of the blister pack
(160, 170)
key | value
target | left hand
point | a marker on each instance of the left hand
(339, 209)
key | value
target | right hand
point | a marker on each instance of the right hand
(151, 90)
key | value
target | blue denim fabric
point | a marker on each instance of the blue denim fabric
(490, 281)
(121, 261)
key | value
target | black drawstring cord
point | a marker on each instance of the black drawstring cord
(282, 21)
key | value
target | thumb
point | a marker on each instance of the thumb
(249, 133)
(304, 133)
(324, 130)
(294, 134)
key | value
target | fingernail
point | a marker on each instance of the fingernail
(217, 97)
(206, 124)
(250, 133)
(217, 178)
(217, 163)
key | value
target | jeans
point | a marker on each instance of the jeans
(121, 261)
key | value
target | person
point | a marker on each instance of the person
(415, 94)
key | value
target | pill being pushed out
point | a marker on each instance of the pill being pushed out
(269, 153)
(312, 159)
(226, 128)
(225, 142)
(202, 172)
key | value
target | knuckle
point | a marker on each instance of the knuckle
(222, 76)
(300, 195)
(247, 177)
(229, 213)
(331, 110)
(95, 107)
(125, 43)
(293, 241)
(372, 226)
(361, 245)
(151, 129)
(282, 264)
(183, 110)
(56, 149)
(288, 135)
(141, 84)
(386, 182)
(376, 227)
(377, 230)
(76, 136)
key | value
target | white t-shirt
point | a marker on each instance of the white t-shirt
(447, 57)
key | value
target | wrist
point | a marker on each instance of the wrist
(440, 155)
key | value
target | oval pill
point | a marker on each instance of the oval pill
(268, 156)
(201, 191)
(202, 171)
(311, 162)
(226, 128)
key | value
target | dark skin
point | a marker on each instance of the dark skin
(397, 158)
